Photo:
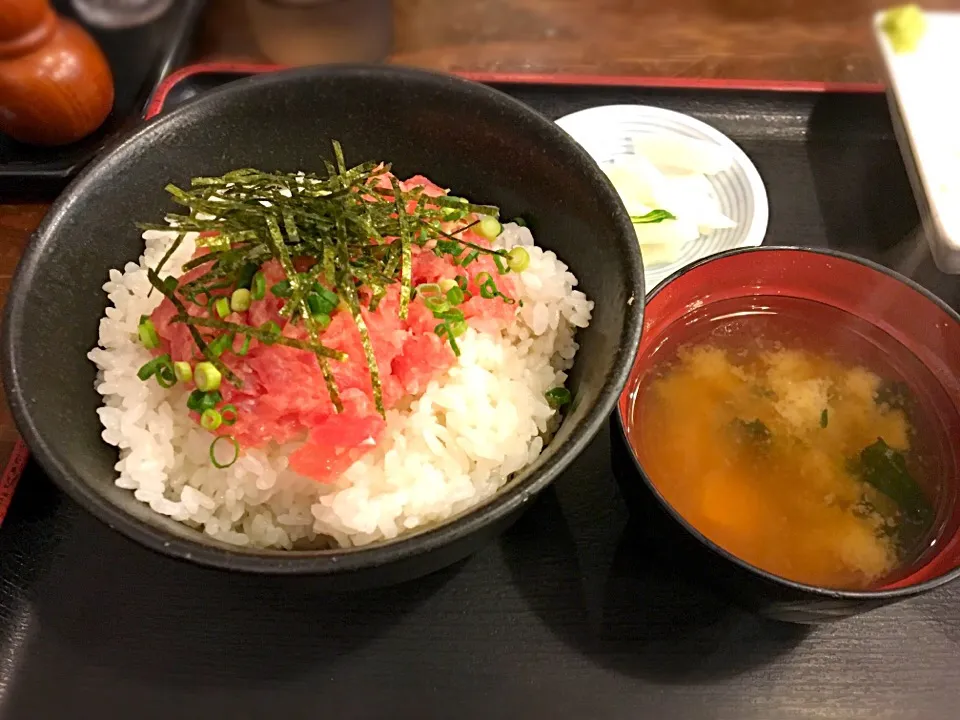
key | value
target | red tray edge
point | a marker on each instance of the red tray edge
(11, 475)
(163, 90)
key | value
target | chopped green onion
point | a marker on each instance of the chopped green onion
(482, 278)
(148, 334)
(166, 377)
(448, 247)
(501, 266)
(490, 227)
(272, 330)
(148, 370)
(245, 348)
(207, 376)
(183, 371)
(488, 289)
(162, 368)
(470, 258)
(258, 286)
(458, 327)
(221, 306)
(210, 419)
(426, 290)
(220, 344)
(200, 400)
(229, 414)
(213, 451)
(322, 320)
(282, 289)
(558, 397)
(240, 300)
(444, 330)
(518, 259)
(455, 295)
(446, 284)
(436, 305)
(462, 282)
(654, 216)
(452, 213)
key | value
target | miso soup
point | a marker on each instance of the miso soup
(799, 438)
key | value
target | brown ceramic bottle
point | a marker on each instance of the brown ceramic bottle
(55, 84)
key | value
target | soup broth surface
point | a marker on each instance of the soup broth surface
(797, 437)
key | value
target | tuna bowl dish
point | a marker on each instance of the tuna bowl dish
(343, 322)
(304, 358)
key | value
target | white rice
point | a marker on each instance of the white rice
(448, 450)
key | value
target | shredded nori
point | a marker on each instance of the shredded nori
(342, 225)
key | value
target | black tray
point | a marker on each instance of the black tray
(561, 618)
(140, 58)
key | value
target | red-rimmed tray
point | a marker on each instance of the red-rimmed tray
(569, 615)
(140, 58)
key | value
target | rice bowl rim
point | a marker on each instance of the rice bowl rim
(209, 552)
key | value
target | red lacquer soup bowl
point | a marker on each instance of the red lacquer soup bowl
(893, 320)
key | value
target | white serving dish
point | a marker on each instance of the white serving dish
(607, 132)
(924, 98)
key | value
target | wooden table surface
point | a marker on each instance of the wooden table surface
(820, 40)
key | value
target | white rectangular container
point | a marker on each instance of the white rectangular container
(924, 95)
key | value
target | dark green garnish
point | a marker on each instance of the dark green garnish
(654, 216)
(885, 470)
(894, 394)
(824, 418)
(282, 289)
(258, 286)
(200, 400)
(754, 432)
(558, 397)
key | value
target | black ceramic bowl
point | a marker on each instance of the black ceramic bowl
(894, 307)
(460, 134)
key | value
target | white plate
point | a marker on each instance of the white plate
(925, 103)
(607, 133)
